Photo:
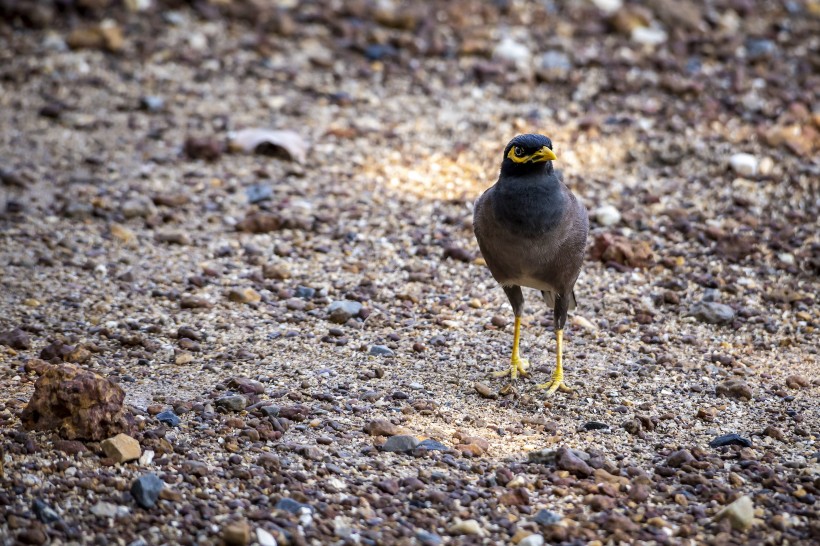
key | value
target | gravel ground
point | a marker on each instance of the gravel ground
(136, 243)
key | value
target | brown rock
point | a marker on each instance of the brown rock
(77, 403)
(517, 497)
(679, 458)
(237, 534)
(275, 271)
(484, 390)
(260, 222)
(244, 295)
(16, 339)
(382, 427)
(774, 432)
(121, 448)
(567, 460)
(70, 447)
(618, 249)
(793, 382)
(470, 450)
(599, 503)
(735, 388)
(106, 35)
(205, 148)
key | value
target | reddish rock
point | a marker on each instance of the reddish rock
(620, 250)
(567, 460)
(76, 403)
(16, 339)
(260, 222)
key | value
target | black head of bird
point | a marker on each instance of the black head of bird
(527, 154)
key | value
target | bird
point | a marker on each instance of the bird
(532, 232)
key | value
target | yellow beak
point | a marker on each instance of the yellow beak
(544, 154)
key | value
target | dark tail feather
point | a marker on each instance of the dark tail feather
(549, 299)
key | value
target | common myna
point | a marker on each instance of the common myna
(532, 232)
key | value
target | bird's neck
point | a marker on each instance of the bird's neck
(521, 170)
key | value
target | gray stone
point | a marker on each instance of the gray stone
(730, 440)
(380, 350)
(258, 193)
(104, 510)
(740, 513)
(44, 512)
(553, 65)
(343, 310)
(146, 490)
(400, 444)
(271, 411)
(426, 538)
(546, 517)
(712, 312)
(432, 445)
(138, 207)
(292, 506)
(169, 418)
(235, 402)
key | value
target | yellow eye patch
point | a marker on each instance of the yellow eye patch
(544, 154)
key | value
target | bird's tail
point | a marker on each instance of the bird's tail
(549, 298)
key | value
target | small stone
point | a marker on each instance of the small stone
(44, 512)
(169, 418)
(595, 425)
(546, 517)
(264, 538)
(147, 457)
(342, 311)
(466, 527)
(774, 432)
(426, 538)
(740, 513)
(235, 402)
(606, 215)
(237, 534)
(104, 510)
(194, 302)
(712, 312)
(382, 427)
(532, 540)
(121, 448)
(566, 459)
(152, 103)
(730, 440)
(391, 487)
(651, 36)
(244, 295)
(680, 458)
(146, 490)
(553, 66)
(484, 390)
(512, 52)
(256, 193)
(16, 339)
(275, 271)
(432, 445)
(400, 444)
(138, 207)
(292, 506)
(797, 382)
(380, 350)
(744, 164)
(734, 388)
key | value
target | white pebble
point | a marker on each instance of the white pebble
(744, 164)
(532, 540)
(607, 215)
(608, 6)
(467, 527)
(265, 538)
(510, 51)
(147, 457)
(649, 35)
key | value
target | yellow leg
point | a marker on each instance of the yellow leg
(518, 365)
(557, 380)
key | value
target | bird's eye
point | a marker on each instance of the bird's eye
(519, 151)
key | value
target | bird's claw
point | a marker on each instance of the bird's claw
(517, 367)
(554, 385)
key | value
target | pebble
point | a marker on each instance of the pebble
(244, 295)
(292, 506)
(382, 427)
(606, 215)
(400, 444)
(651, 36)
(740, 513)
(138, 207)
(152, 103)
(512, 52)
(730, 440)
(432, 445)
(147, 457)
(712, 312)
(104, 509)
(427, 538)
(553, 65)
(264, 538)
(121, 448)
(734, 388)
(546, 517)
(466, 527)
(680, 458)
(484, 390)
(797, 382)
(380, 350)
(256, 193)
(595, 425)
(744, 164)
(146, 490)
(169, 418)
(343, 310)
(532, 540)
(44, 512)
(235, 402)
(237, 534)
(565, 459)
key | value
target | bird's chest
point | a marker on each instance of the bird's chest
(528, 210)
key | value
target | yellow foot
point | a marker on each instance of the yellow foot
(554, 385)
(517, 367)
